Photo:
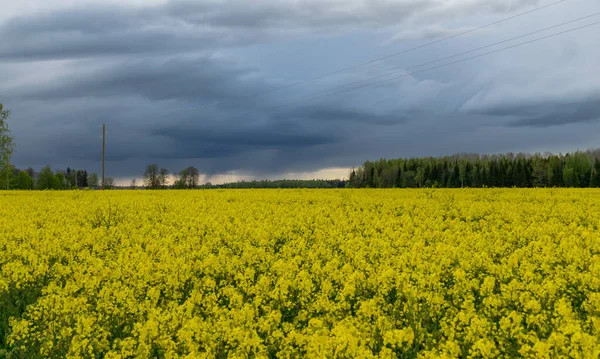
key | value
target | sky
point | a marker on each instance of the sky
(294, 88)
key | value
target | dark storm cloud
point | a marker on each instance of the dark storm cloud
(190, 78)
(188, 134)
(151, 109)
(546, 114)
(341, 115)
(187, 83)
(109, 30)
(187, 26)
(201, 143)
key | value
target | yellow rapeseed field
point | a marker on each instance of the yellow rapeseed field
(300, 273)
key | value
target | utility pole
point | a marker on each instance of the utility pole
(103, 146)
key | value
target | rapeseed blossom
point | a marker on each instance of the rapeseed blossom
(300, 273)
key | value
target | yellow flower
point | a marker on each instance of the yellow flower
(300, 273)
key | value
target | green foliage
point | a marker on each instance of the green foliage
(93, 180)
(7, 148)
(61, 182)
(595, 174)
(23, 181)
(579, 169)
(47, 179)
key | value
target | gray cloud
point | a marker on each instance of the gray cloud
(191, 26)
(185, 78)
(342, 115)
(297, 14)
(152, 72)
(110, 30)
(431, 32)
(551, 114)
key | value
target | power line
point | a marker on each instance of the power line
(410, 49)
(313, 97)
(450, 57)
(370, 62)
(447, 64)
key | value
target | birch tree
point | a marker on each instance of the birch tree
(7, 146)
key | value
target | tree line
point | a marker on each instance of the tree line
(578, 169)
(156, 177)
(316, 183)
(47, 178)
(14, 178)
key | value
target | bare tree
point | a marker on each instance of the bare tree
(152, 176)
(188, 178)
(93, 180)
(133, 184)
(193, 177)
(164, 177)
(109, 183)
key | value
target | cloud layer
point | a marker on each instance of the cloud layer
(192, 83)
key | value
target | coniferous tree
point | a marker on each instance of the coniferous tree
(595, 174)
(579, 169)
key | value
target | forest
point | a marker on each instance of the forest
(578, 169)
